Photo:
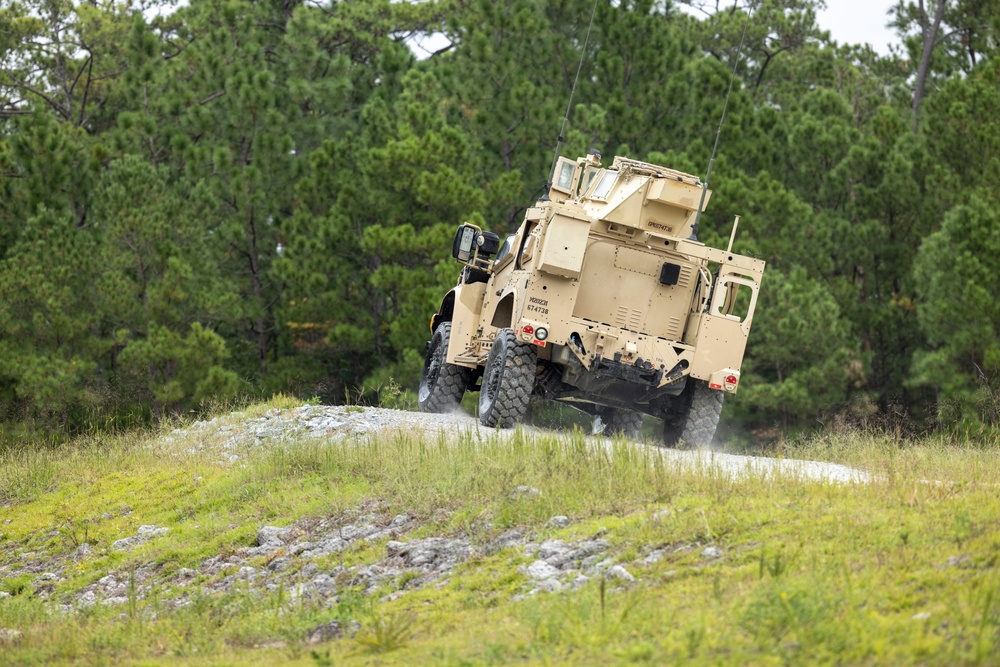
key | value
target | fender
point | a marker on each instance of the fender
(446, 311)
(461, 306)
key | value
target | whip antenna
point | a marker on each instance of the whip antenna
(569, 105)
(711, 160)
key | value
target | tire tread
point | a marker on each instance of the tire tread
(452, 380)
(622, 422)
(510, 406)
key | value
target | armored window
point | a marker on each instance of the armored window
(565, 180)
(505, 248)
(735, 298)
(603, 187)
(565, 177)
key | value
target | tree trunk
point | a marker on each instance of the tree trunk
(260, 330)
(929, 33)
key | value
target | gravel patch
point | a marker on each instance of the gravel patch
(229, 437)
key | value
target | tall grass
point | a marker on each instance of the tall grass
(899, 570)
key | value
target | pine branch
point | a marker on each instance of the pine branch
(211, 97)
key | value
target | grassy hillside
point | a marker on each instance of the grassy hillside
(195, 547)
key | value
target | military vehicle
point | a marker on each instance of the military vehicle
(603, 298)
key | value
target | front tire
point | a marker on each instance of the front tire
(691, 422)
(442, 385)
(508, 380)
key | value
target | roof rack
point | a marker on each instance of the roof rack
(646, 168)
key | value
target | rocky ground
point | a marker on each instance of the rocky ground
(301, 560)
(344, 422)
(296, 560)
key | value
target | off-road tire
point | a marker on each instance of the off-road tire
(442, 385)
(622, 422)
(508, 379)
(691, 421)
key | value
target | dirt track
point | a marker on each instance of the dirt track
(231, 434)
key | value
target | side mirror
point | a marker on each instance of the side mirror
(462, 247)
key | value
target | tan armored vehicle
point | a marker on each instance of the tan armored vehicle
(604, 299)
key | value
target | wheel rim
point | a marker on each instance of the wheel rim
(432, 368)
(492, 384)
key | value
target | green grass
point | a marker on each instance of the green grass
(810, 572)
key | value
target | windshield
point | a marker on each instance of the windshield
(505, 248)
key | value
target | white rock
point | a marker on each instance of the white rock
(550, 585)
(559, 521)
(512, 536)
(271, 536)
(711, 552)
(619, 572)
(541, 570)
(605, 564)
(551, 548)
(654, 556)
(124, 543)
(325, 632)
(144, 533)
(922, 616)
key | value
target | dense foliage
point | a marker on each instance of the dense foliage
(237, 197)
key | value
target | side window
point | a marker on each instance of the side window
(565, 177)
(735, 298)
(603, 185)
(588, 178)
(505, 248)
(528, 245)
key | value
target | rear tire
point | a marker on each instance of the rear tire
(691, 422)
(622, 422)
(442, 385)
(507, 381)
